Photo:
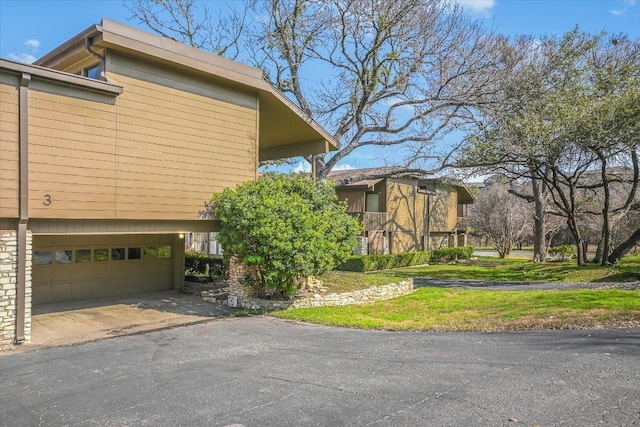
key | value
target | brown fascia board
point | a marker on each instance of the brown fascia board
(60, 77)
(120, 37)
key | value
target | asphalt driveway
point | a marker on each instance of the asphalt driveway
(261, 371)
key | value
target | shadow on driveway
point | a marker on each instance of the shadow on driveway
(74, 322)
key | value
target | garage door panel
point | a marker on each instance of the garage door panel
(61, 291)
(83, 266)
(41, 294)
(82, 290)
(62, 272)
(44, 273)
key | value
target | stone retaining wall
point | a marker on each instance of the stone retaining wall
(374, 293)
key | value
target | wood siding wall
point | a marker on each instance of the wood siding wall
(158, 152)
(355, 199)
(444, 211)
(405, 215)
(9, 146)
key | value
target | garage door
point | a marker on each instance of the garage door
(78, 267)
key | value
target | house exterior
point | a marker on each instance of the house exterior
(109, 147)
(405, 214)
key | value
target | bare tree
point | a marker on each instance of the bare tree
(399, 74)
(193, 23)
(501, 216)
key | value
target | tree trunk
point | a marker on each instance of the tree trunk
(539, 229)
(606, 227)
(624, 247)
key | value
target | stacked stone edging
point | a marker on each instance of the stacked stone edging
(374, 293)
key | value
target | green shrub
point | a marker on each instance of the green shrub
(364, 263)
(200, 265)
(284, 228)
(452, 254)
(564, 252)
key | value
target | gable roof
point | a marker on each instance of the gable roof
(366, 179)
(300, 136)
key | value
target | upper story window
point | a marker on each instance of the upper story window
(93, 72)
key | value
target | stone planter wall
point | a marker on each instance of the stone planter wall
(374, 293)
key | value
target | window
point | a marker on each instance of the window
(117, 254)
(373, 202)
(42, 257)
(101, 255)
(64, 256)
(133, 253)
(150, 252)
(164, 251)
(93, 72)
(83, 255)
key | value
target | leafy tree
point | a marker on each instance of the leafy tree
(398, 74)
(569, 108)
(285, 228)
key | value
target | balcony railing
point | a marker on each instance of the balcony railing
(372, 221)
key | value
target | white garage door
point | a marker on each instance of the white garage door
(78, 267)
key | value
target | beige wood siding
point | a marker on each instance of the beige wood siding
(405, 215)
(179, 140)
(444, 211)
(72, 157)
(9, 147)
(158, 151)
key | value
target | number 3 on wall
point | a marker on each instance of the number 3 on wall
(47, 200)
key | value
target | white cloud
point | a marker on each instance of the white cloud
(303, 166)
(480, 7)
(22, 57)
(32, 43)
(626, 4)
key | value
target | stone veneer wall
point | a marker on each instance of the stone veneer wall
(374, 293)
(237, 272)
(9, 287)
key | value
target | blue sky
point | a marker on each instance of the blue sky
(31, 28)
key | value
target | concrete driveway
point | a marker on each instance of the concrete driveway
(262, 371)
(74, 322)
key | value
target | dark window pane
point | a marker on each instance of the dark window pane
(117, 254)
(134, 253)
(83, 255)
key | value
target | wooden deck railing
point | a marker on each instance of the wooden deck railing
(372, 220)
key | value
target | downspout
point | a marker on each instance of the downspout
(88, 42)
(23, 103)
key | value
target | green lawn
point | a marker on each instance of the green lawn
(440, 309)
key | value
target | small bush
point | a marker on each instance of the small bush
(452, 254)
(564, 252)
(200, 265)
(384, 262)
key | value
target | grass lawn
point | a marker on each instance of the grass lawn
(518, 269)
(440, 309)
